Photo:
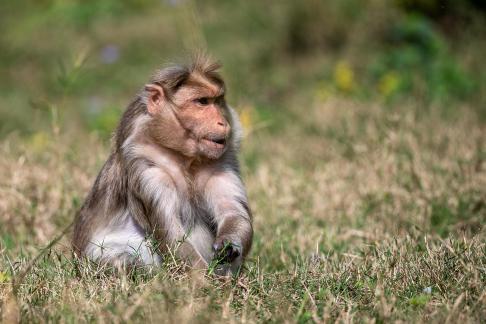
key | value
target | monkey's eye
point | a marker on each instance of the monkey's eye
(202, 101)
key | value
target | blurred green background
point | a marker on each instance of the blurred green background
(77, 63)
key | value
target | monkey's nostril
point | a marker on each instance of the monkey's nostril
(220, 123)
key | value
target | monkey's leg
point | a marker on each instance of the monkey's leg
(201, 238)
(122, 244)
(183, 246)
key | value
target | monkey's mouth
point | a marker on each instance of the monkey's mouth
(218, 142)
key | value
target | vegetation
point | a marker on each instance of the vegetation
(364, 157)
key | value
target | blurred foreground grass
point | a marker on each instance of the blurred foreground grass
(364, 157)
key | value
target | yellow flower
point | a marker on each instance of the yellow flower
(388, 84)
(246, 118)
(344, 77)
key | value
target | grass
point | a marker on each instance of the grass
(362, 213)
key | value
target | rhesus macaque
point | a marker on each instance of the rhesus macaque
(172, 178)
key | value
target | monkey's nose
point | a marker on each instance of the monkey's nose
(222, 125)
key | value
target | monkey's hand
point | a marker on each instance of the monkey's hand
(226, 251)
(227, 258)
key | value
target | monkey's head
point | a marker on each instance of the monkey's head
(188, 110)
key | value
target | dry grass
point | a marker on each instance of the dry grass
(362, 213)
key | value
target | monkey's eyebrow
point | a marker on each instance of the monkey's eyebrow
(204, 94)
(215, 98)
(199, 90)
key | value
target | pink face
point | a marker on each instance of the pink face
(201, 111)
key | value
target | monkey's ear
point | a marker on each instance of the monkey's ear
(156, 97)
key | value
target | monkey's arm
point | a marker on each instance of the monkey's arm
(227, 200)
(157, 207)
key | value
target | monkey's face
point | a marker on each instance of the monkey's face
(200, 128)
(202, 112)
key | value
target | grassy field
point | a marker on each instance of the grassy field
(365, 164)
(362, 214)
